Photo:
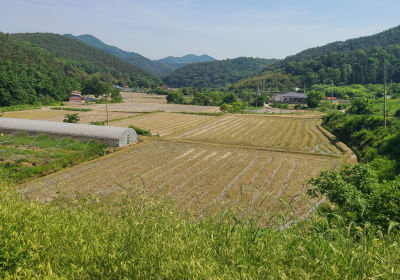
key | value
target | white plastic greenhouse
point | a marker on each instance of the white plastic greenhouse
(118, 136)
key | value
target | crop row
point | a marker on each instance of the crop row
(198, 177)
(165, 123)
(261, 131)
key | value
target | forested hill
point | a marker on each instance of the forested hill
(382, 39)
(356, 61)
(187, 59)
(90, 59)
(29, 75)
(216, 73)
(136, 59)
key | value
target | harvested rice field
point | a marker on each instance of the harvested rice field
(165, 123)
(198, 176)
(287, 133)
(58, 115)
(151, 106)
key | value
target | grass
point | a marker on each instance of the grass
(204, 114)
(72, 109)
(19, 108)
(139, 238)
(24, 157)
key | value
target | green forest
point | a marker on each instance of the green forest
(177, 62)
(217, 73)
(31, 75)
(355, 61)
(90, 59)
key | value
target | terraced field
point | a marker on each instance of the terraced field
(197, 176)
(165, 123)
(287, 133)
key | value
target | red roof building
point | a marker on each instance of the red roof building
(76, 96)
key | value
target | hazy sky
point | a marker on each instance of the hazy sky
(220, 28)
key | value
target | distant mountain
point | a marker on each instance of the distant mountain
(216, 73)
(90, 59)
(184, 60)
(136, 59)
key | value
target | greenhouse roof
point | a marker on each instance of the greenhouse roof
(70, 129)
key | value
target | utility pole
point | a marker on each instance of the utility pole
(105, 97)
(384, 96)
(304, 88)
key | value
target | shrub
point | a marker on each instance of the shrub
(141, 131)
(71, 118)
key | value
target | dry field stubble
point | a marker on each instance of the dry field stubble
(165, 123)
(287, 133)
(198, 176)
(151, 106)
(58, 115)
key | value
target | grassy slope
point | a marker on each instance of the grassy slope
(138, 238)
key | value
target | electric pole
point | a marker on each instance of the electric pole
(384, 96)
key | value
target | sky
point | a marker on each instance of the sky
(219, 28)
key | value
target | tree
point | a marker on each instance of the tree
(314, 97)
(175, 97)
(229, 98)
(224, 108)
(71, 118)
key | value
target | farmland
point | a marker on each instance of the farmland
(165, 123)
(288, 133)
(196, 176)
(202, 161)
(58, 116)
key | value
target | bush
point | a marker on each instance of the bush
(314, 97)
(71, 118)
(359, 196)
(175, 97)
(141, 131)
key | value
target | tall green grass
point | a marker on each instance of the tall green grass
(141, 238)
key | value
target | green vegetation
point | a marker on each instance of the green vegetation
(25, 157)
(176, 62)
(32, 76)
(203, 113)
(217, 73)
(76, 237)
(71, 118)
(136, 59)
(314, 97)
(280, 106)
(91, 60)
(20, 108)
(355, 61)
(141, 131)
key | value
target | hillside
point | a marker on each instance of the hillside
(187, 59)
(136, 59)
(355, 61)
(216, 73)
(29, 75)
(382, 39)
(90, 59)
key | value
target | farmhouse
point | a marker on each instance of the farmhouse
(76, 96)
(292, 97)
(116, 136)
